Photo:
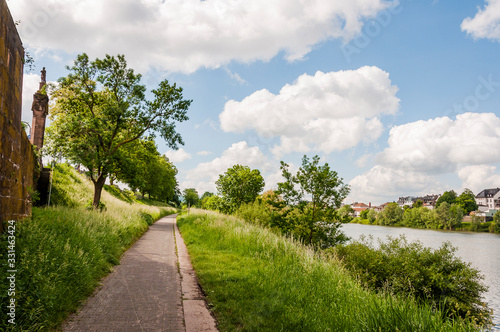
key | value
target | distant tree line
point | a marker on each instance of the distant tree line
(448, 213)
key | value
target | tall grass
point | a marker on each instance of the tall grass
(63, 251)
(256, 280)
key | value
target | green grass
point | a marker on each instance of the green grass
(63, 251)
(256, 280)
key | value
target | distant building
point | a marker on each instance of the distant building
(489, 198)
(381, 206)
(359, 207)
(429, 201)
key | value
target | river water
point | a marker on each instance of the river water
(482, 250)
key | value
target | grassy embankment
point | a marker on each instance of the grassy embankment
(256, 280)
(62, 252)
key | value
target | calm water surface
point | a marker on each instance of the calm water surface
(482, 250)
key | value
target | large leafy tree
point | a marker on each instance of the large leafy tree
(315, 192)
(449, 197)
(100, 106)
(191, 196)
(467, 201)
(240, 184)
(391, 215)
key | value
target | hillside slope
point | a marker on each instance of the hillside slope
(63, 251)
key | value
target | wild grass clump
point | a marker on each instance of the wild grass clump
(256, 280)
(62, 252)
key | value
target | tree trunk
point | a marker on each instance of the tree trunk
(98, 185)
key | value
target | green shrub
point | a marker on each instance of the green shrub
(495, 224)
(255, 213)
(436, 277)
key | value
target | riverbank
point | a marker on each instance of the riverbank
(477, 249)
(484, 227)
(258, 280)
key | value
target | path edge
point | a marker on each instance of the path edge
(197, 317)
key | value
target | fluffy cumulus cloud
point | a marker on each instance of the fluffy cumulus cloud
(441, 145)
(184, 35)
(326, 112)
(382, 183)
(486, 23)
(418, 151)
(177, 156)
(479, 177)
(204, 175)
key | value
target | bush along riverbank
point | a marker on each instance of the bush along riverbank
(63, 251)
(257, 279)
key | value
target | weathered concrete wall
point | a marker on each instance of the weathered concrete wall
(16, 152)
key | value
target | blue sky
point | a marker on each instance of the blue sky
(400, 98)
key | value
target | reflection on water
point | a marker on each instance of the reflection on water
(482, 250)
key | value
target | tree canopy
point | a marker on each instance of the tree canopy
(467, 201)
(100, 106)
(315, 192)
(191, 196)
(449, 197)
(240, 184)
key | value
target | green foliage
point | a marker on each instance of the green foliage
(34, 195)
(467, 201)
(315, 220)
(417, 204)
(63, 252)
(392, 215)
(436, 277)
(216, 203)
(100, 207)
(257, 212)
(372, 216)
(449, 217)
(28, 59)
(204, 198)
(449, 197)
(256, 280)
(101, 106)
(191, 197)
(475, 223)
(495, 224)
(140, 165)
(68, 187)
(124, 195)
(240, 184)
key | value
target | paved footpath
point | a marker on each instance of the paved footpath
(153, 289)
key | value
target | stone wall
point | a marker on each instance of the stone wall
(16, 152)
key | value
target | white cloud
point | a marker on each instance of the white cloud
(420, 151)
(327, 112)
(382, 183)
(204, 153)
(486, 23)
(189, 34)
(441, 145)
(31, 83)
(479, 177)
(204, 175)
(177, 156)
(235, 76)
